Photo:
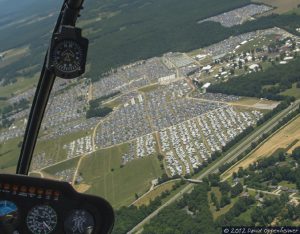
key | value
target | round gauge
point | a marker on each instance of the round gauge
(41, 219)
(8, 212)
(79, 221)
(67, 56)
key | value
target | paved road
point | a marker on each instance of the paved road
(231, 155)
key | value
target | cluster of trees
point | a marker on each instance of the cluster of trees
(128, 217)
(231, 218)
(124, 39)
(271, 209)
(17, 106)
(280, 77)
(143, 38)
(283, 105)
(189, 215)
(227, 191)
(96, 109)
(269, 171)
(8, 110)
(296, 154)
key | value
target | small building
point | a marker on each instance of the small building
(207, 68)
(254, 66)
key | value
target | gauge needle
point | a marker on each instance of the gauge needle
(46, 225)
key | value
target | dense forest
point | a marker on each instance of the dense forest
(190, 215)
(267, 84)
(132, 30)
(171, 30)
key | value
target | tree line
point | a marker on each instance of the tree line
(280, 77)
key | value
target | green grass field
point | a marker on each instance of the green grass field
(222, 210)
(257, 42)
(72, 163)
(14, 55)
(149, 88)
(294, 91)
(118, 185)
(9, 154)
(54, 148)
(20, 86)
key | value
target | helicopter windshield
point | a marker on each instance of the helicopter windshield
(182, 102)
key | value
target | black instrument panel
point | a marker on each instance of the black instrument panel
(43, 206)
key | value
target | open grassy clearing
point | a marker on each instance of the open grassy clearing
(294, 91)
(9, 154)
(246, 216)
(9, 150)
(13, 55)
(294, 147)
(20, 86)
(257, 42)
(54, 148)
(255, 103)
(281, 6)
(288, 185)
(103, 172)
(281, 139)
(72, 163)
(295, 11)
(149, 88)
(2, 104)
(222, 210)
(145, 200)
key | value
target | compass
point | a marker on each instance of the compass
(68, 57)
(68, 53)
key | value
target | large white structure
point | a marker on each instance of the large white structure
(167, 79)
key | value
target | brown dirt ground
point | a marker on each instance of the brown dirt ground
(281, 139)
(282, 6)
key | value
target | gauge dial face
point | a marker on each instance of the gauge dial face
(79, 221)
(8, 212)
(67, 56)
(41, 219)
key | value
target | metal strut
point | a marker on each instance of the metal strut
(68, 16)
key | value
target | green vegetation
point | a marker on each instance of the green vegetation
(173, 24)
(20, 86)
(282, 75)
(103, 170)
(271, 171)
(128, 217)
(128, 31)
(189, 215)
(96, 109)
(243, 210)
(294, 91)
(11, 109)
(68, 164)
(54, 147)
(9, 155)
(254, 144)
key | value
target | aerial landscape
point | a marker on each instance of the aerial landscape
(186, 120)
